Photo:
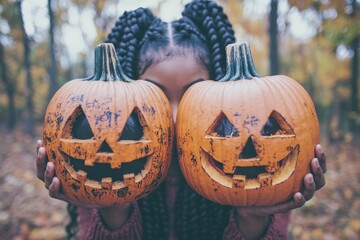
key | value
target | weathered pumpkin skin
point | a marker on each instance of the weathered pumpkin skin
(247, 101)
(107, 99)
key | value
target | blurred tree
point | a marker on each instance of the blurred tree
(53, 67)
(273, 36)
(337, 33)
(9, 86)
(354, 80)
(29, 82)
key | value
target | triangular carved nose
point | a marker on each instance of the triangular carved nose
(249, 150)
(105, 148)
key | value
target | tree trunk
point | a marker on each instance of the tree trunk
(10, 89)
(29, 84)
(354, 86)
(52, 69)
(273, 33)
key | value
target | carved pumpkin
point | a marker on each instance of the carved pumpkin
(246, 140)
(99, 158)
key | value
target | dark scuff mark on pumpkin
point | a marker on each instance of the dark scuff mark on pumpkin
(150, 109)
(193, 159)
(59, 120)
(145, 149)
(107, 115)
(162, 136)
(123, 192)
(96, 194)
(250, 121)
(75, 187)
(93, 104)
(53, 154)
(180, 152)
(48, 139)
(169, 135)
(76, 99)
(212, 145)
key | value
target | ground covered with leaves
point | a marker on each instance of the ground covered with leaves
(27, 212)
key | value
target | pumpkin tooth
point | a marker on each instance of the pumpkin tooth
(106, 183)
(229, 169)
(265, 179)
(81, 175)
(129, 179)
(89, 162)
(239, 181)
(143, 173)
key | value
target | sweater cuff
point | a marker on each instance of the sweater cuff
(274, 229)
(131, 230)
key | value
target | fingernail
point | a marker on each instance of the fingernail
(311, 180)
(317, 165)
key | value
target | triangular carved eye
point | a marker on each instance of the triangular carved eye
(77, 126)
(276, 125)
(222, 127)
(249, 150)
(133, 129)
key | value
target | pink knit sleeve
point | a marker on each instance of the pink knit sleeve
(91, 226)
(277, 228)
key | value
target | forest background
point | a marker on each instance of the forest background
(45, 43)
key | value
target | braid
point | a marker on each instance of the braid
(154, 215)
(126, 35)
(72, 226)
(199, 218)
(212, 22)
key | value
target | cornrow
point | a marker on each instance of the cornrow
(126, 35)
(212, 22)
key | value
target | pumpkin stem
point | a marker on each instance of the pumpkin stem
(107, 65)
(239, 63)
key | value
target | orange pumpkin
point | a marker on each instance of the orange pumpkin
(246, 140)
(98, 159)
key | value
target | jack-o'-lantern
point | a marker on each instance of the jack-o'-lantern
(246, 140)
(110, 137)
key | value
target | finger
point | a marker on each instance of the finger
(310, 187)
(54, 190)
(49, 174)
(320, 154)
(298, 201)
(39, 144)
(318, 173)
(41, 163)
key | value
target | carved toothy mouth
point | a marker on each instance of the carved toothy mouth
(249, 177)
(135, 170)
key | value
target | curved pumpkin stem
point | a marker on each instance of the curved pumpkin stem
(107, 65)
(239, 63)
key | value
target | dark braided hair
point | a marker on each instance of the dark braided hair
(142, 40)
(212, 22)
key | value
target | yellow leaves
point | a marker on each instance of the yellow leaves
(355, 225)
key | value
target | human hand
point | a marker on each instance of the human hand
(252, 221)
(114, 216)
